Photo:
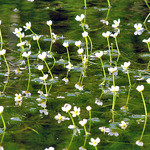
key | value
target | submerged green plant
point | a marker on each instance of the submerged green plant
(140, 89)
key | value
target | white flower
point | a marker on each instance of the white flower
(30, 0)
(94, 142)
(148, 80)
(148, 20)
(42, 56)
(66, 44)
(18, 97)
(44, 111)
(49, 23)
(66, 80)
(139, 143)
(1, 109)
(80, 51)
(146, 41)
(116, 23)
(42, 103)
(36, 37)
(40, 67)
(82, 148)
(99, 55)
(112, 70)
(17, 31)
(126, 65)
(98, 102)
(59, 117)
(26, 93)
(28, 26)
(111, 133)
(114, 88)
(138, 28)
(104, 22)
(1, 148)
(88, 108)
(78, 43)
(76, 111)
(79, 87)
(83, 122)
(85, 34)
(44, 77)
(26, 54)
(123, 125)
(80, 18)
(114, 35)
(2, 52)
(21, 44)
(69, 66)
(103, 129)
(0, 22)
(107, 34)
(140, 88)
(66, 108)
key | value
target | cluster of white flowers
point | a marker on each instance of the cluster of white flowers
(138, 29)
(18, 99)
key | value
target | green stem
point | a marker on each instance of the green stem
(109, 50)
(6, 64)
(72, 119)
(148, 47)
(1, 39)
(50, 88)
(50, 29)
(103, 68)
(85, 3)
(108, 3)
(71, 139)
(145, 116)
(113, 106)
(3, 121)
(87, 52)
(48, 69)
(95, 147)
(129, 77)
(85, 16)
(44, 82)
(85, 136)
(68, 54)
(117, 45)
(128, 97)
(113, 79)
(32, 31)
(38, 45)
(29, 74)
(90, 120)
(90, 43)
(147, 4)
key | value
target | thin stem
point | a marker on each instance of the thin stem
(148, 46)
(1, 39)
(109, 50)
(108, 3)
(145, 116)
(87, 52)
(3, 121)
(50, 88)
(44, 82)
(113, 79)
(147, 4)
(90, 43)
(85, 3)
(68, 54)
(38, 45)
(129, 77)
(6, 64)
(48, 69)
(90, 120)
(32, 31)
(128, 96)
(50, 29)
(71, 139)
(117, 45)
(71, 119)
(85, 136)
(29, 74)
(103, 68)
(95, 147)
(2, 138)
(85, 15)
(113, 106)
